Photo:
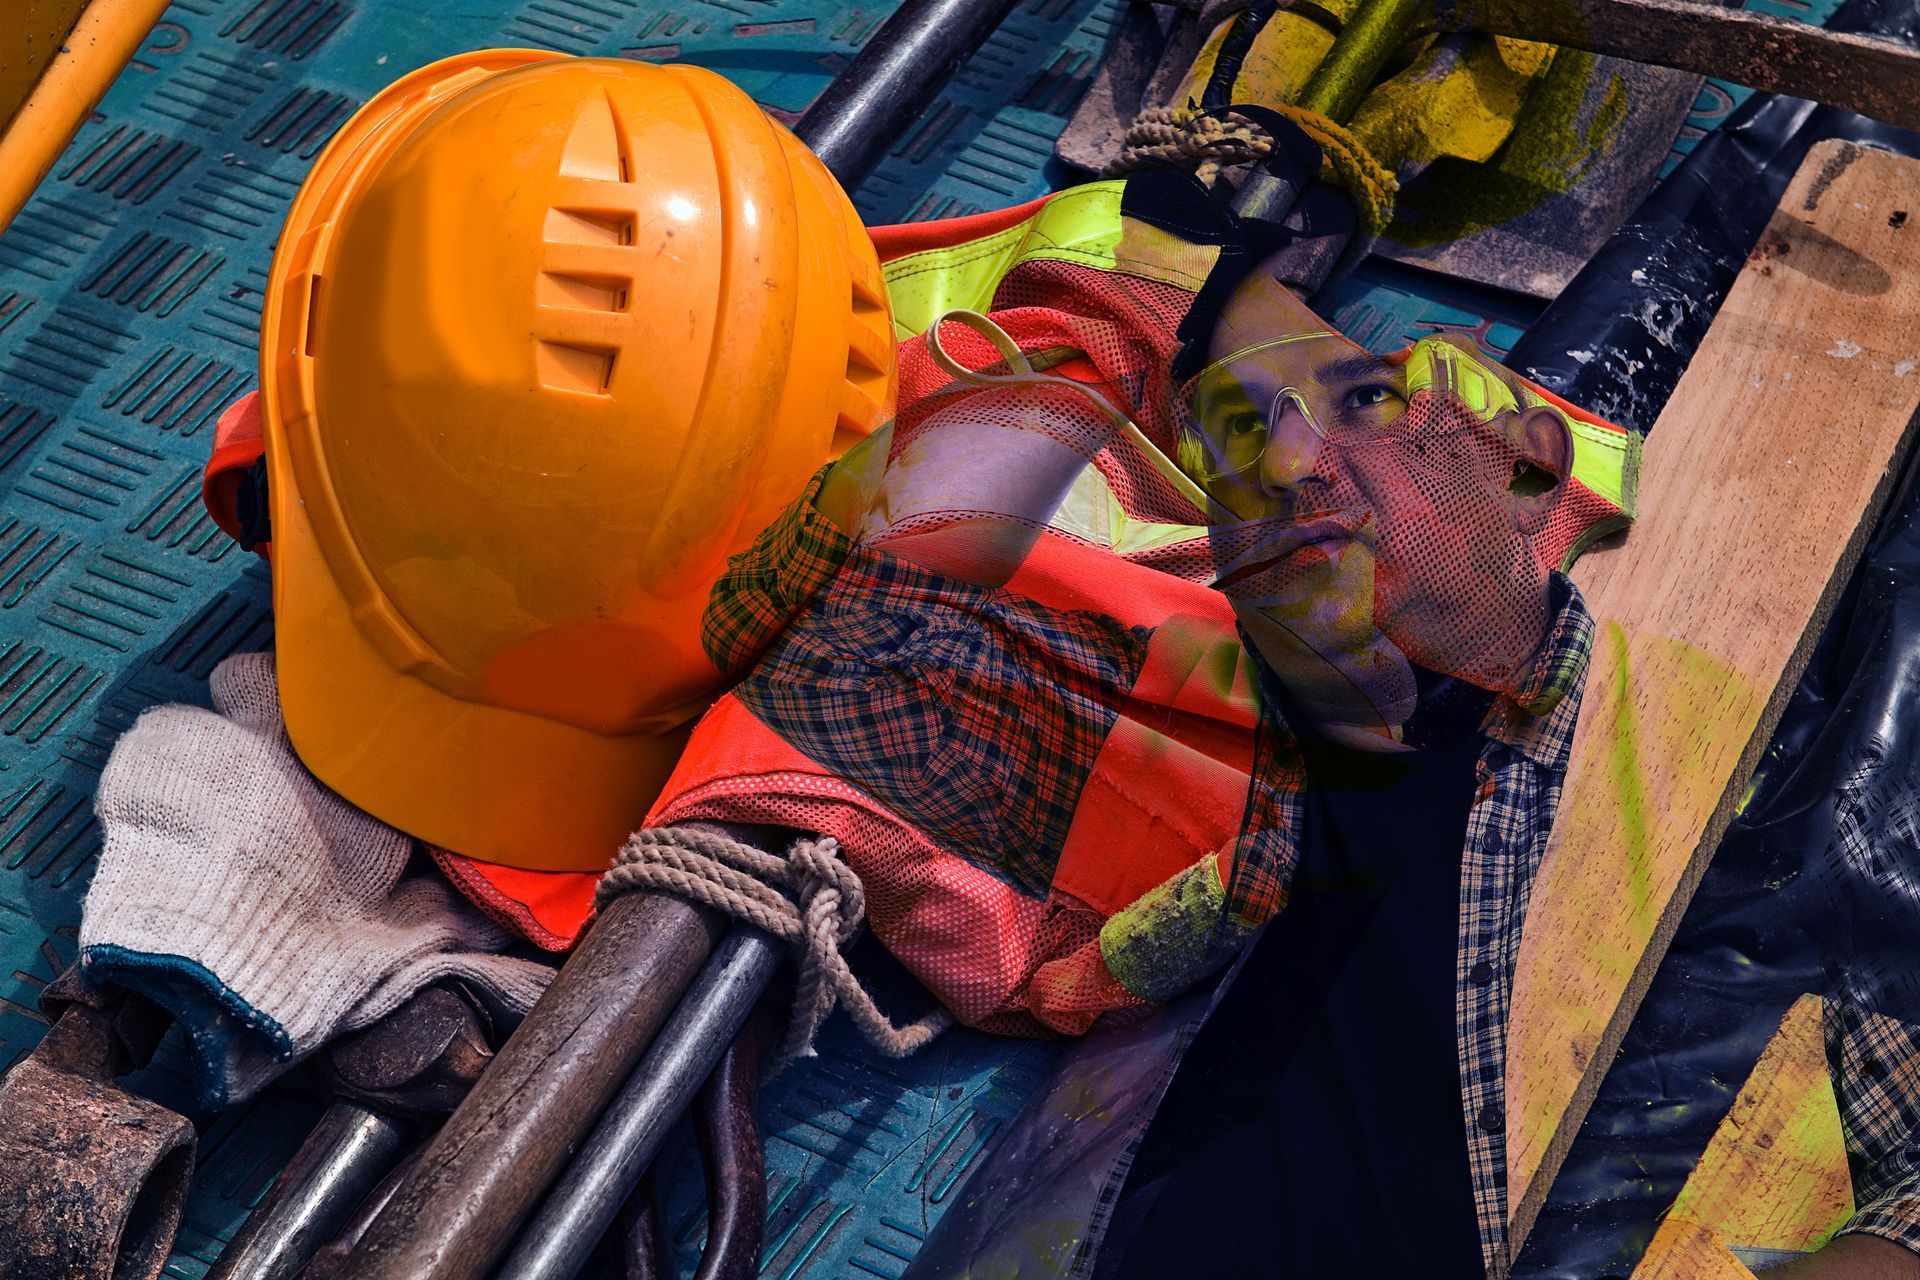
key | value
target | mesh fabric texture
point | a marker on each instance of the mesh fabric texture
(1037, 743)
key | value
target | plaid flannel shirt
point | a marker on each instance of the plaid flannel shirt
(1875, 1059)
(1519, 776)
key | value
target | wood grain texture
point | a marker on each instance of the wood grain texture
(1762, 478)
(1683, 1250)
(1775, 1174)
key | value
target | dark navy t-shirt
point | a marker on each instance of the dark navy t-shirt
(1315, 1126)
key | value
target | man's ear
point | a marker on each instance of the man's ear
(1544, 443)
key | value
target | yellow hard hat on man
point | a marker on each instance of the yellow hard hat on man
(546, 340)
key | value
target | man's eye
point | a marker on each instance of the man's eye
(1371, 393)
(1245, 424)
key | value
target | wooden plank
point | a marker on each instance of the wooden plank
(1876, 78)
(1762, 478)
(1775, 1175)
(1686, 1251)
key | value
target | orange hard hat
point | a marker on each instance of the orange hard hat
(546, 340)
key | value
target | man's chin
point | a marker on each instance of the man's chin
(1488, 662)
(1356, 686)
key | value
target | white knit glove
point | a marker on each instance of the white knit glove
(261, 909)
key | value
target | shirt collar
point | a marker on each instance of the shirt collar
(1537, 718)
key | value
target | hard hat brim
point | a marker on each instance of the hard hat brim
(455, 774)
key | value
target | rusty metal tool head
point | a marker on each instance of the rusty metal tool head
(92, 1178)
(418, 1061)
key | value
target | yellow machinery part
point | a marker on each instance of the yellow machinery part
(57, 58)
(40, 28)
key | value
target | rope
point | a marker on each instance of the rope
(1182, 138)
(1209, 141)
(808, 898)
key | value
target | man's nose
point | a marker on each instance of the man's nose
(1293, 445)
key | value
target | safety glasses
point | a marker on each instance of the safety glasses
(1227, 435)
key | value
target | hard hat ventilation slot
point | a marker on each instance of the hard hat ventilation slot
(566, 366)
(576, 292)
(312, 324)
(593, 149)
(864, 393)
(588, 226)
(869, 341)
(869, 296)
(622, 145)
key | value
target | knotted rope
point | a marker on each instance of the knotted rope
(809, 898)
(1209, 141)
(1182, 138)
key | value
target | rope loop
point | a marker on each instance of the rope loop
(1209, 141)
(810, 899)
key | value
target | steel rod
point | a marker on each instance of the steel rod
(726, 1121)
(347, 1153)
(640, 1240)
(585, 1201)
(487, 1168)
(330, 1260)
(1370, 37)
(869, 106)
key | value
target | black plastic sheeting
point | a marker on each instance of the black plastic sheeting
(1619, 336)
(1816, 887)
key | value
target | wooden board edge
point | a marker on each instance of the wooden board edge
(1523, 1215)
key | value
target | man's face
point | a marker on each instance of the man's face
(1368, 519)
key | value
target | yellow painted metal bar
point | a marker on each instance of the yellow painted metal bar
(55, 63)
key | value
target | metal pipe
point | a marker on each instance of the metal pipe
(92, 1178)
(642, 1243)
(905, 63)
(485, 1171)
(330, 1260)
(585, 1201)
(1846, 68)
(1363, 46)
(726, 1120)
(342, 1159)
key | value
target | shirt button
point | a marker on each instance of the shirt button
(1492, 1119)
(1481, 973)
